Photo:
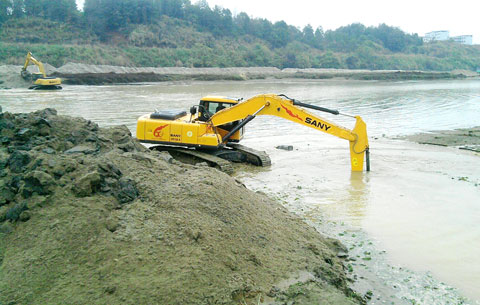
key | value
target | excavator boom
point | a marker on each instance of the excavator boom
(281, 106)
(32, 59)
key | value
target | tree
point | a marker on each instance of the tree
(4, 10)
(308, 35)
(59, 10)
(280, 35)
(319, 37)
(17, 8)
(243, 24)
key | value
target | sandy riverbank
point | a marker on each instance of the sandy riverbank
(83, 74)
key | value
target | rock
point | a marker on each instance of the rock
(82, 149)
(126, 192)
(25, 216)
(6, 228)
(48, 150)
(41, 121)
(3, 213)
(46, 112)
(110, 289)
(87, 185)
(4, 140)
(112, 224)
(38, 182)
(18, 146)
(18, 160)
(165, 155)
(121, 134)
(14, 212)
(63, 167)
(127, 147)
(14, 183)
(285, 147)
(24, 134)
(109, 169)
(36, 201)
(7, 195)
(3, 160)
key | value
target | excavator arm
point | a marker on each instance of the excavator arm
(286, 108)
(32, 59)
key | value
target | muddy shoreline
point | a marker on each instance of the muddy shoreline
(467, 139)
(83, 74)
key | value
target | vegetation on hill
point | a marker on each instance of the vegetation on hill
(179, 33)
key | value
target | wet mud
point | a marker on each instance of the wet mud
(467, 139)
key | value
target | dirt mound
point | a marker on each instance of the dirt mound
(10, 75)
(89, 216)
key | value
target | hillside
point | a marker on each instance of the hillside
(166, 33)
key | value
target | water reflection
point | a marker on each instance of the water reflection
(358, 191)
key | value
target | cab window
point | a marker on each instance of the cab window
(212, 108)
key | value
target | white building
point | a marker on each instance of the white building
(464, 39)
(436, 36)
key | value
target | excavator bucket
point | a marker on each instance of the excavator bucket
(359, 146)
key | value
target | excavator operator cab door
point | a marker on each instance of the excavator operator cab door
(208, 108)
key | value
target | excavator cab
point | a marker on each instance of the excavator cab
(210, 105)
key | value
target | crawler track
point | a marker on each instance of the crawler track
(221, 158)
(253, 156)
(198, 156)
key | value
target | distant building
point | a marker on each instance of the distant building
(436, 36)
(463, 39)
(445, 35)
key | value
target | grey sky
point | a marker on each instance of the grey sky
(412, 16)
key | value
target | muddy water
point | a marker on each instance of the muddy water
(412, 224)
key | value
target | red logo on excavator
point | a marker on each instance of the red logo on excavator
(290, 113)
(158, 131)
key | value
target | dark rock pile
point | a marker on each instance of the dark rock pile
(42, 152)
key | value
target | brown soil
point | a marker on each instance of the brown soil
(90, 216)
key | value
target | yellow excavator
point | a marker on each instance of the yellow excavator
(216, 125)
(39, 79)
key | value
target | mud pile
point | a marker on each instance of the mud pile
(89, 216)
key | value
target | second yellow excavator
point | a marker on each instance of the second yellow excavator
(216, 125)
(39, 79)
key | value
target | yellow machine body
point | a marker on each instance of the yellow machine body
(182, 129)
(221, 126)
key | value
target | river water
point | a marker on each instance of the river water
(412, 224)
